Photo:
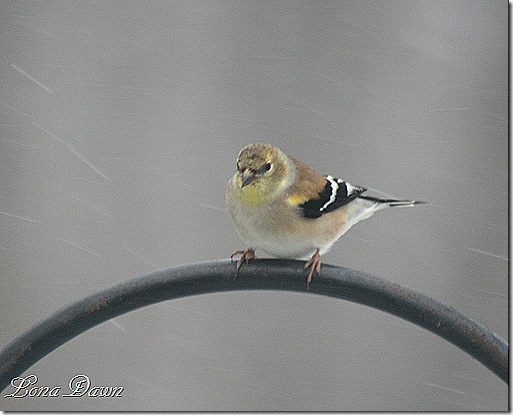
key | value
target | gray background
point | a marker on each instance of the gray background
(120, 123)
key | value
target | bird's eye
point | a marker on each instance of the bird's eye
(268, 166)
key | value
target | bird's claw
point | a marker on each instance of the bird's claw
(315, 265)
(246, 255)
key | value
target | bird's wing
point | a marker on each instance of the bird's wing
(335, 194)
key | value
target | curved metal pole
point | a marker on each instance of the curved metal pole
(266, 274)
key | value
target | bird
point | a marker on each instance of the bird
(283, 207)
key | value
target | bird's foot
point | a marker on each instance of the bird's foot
(315, 265)
(246, 255)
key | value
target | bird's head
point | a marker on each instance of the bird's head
(262, 172)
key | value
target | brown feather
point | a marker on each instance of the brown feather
(309, 184)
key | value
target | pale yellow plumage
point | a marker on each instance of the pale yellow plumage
(285, 208)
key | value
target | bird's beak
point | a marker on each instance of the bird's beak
(247, 178)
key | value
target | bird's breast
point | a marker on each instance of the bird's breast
(282, 232)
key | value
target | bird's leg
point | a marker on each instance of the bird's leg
(246, 255)
(315, 265)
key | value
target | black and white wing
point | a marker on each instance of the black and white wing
(335, 194)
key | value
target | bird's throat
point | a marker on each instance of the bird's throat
(254, 195)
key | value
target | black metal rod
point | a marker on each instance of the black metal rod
(266, 274)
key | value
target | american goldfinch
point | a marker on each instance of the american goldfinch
(285, 208)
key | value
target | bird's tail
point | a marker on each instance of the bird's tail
(391, 202)
(364, 207)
